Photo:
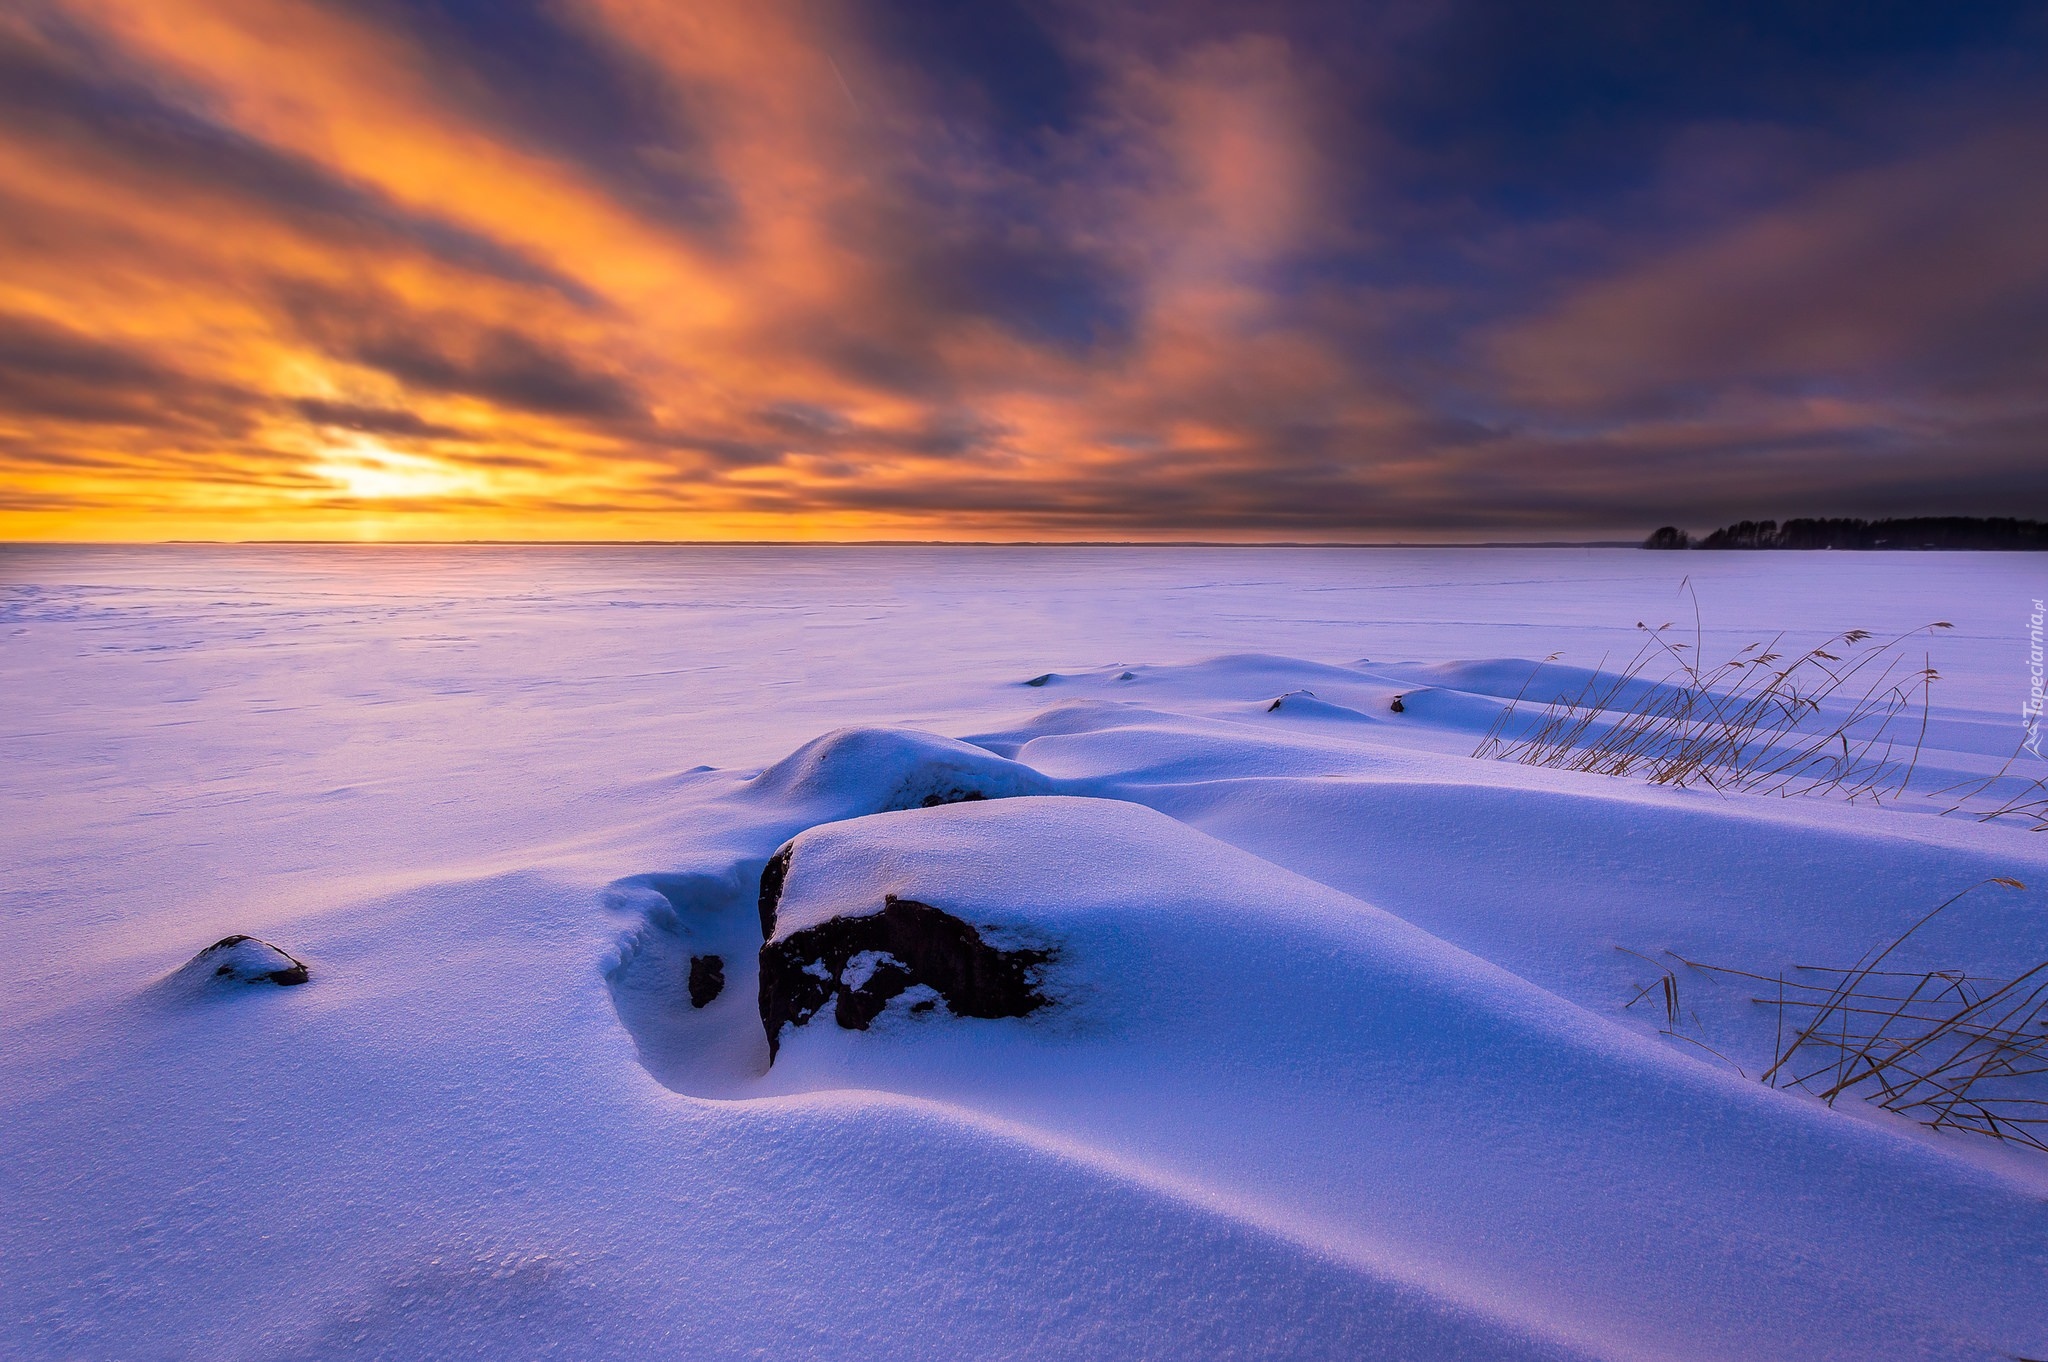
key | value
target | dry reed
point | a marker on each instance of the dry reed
(1985, 800)
(1847, 717)
(1947, 1048)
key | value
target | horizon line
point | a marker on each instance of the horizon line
(836, 543)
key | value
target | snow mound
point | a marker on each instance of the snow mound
(685, 975)
(1303, 704)
(853, 771)
(1449, 710)
(1259, 670)
(1506, 678)
(682, 978)
(1253, 1039)
(235, 961)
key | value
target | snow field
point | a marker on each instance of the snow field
(1337, 1065)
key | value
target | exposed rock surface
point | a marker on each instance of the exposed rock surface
(707, 979)
(772, 877)
(866, 961)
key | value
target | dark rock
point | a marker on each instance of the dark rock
(707, 979)
(1039, 680)
(772, 876)
(907, 943)
(1397, 706)
(932, 801)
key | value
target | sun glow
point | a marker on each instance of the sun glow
(367, 471)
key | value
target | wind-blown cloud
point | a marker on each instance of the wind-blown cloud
(788, 269)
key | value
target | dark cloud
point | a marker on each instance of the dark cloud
(84, 102)
(445, 352)
(372, 420)
(1030, 282)
(504, 367)
(1004, 64)
(1534, 108)
(48, 370)
(531, 71)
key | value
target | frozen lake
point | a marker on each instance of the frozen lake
(196, 727)
(424, 766)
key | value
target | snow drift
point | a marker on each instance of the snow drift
(1335, 1046)
(1250, 1039)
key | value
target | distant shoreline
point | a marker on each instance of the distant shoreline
(1904, 534)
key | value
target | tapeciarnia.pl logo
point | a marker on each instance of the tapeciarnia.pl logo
(2030, 713)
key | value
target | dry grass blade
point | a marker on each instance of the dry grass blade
(1666, 980)
(2002, 794)
(1846, 718)
(1950, 1049)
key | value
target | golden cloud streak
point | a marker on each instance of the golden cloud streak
(281, 268)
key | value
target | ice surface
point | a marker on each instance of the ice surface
(1338, 1066)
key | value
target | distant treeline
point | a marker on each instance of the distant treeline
(1912, 532)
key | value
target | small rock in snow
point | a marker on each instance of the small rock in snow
(707, 979)
(242, 959)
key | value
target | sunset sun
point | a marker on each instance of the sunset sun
(367, 471)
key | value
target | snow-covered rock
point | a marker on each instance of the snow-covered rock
(853, 771)
(237, 960)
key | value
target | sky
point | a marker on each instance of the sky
(795, 269)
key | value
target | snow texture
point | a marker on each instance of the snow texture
(1335, 1056)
